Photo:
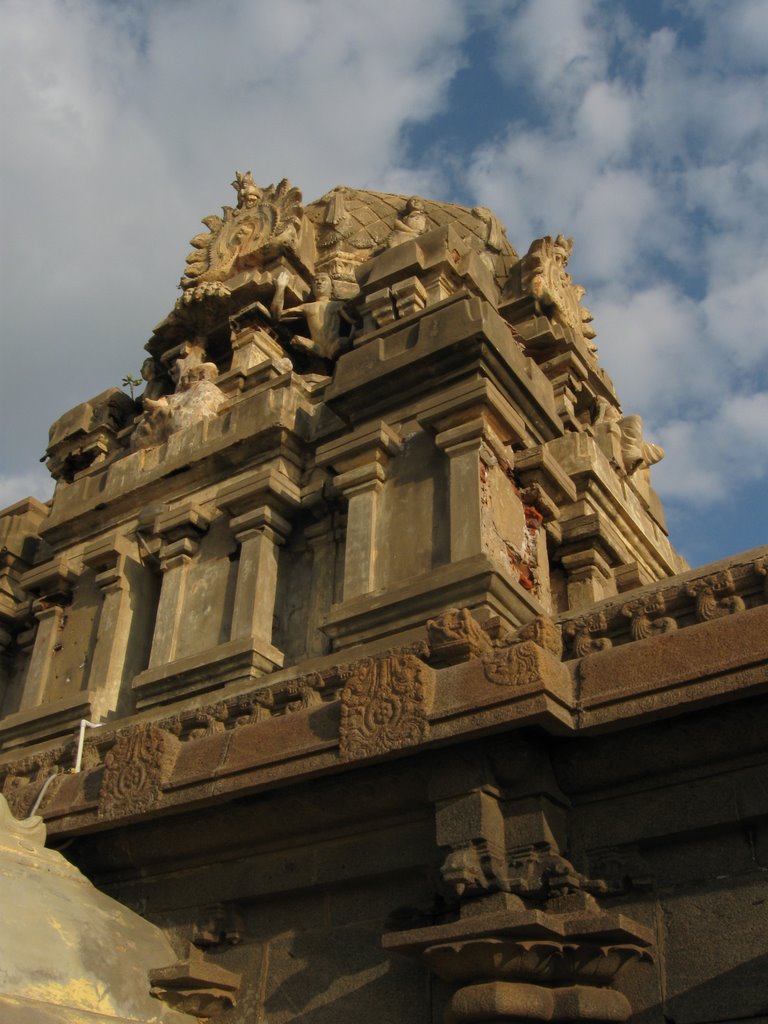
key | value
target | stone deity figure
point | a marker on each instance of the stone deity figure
(196, 398)
(323, 315)
(248, 192)
(494, 236)
(157, 381)
(192, 367)
(636, 452)
(553, 288)
(412, 224)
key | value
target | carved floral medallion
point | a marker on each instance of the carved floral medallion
(134, 771)
(385, 705)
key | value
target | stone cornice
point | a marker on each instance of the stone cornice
(460, 683)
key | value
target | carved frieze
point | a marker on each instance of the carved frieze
(715, 596)
(304, 692)
(583, 634)
(24, 781)
(456, 635)
(385, 705)
(529, 658)
(639, 612)
(135, 768)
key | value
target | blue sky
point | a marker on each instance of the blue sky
(638, 128)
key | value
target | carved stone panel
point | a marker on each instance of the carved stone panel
(385, 705)
(134, 771)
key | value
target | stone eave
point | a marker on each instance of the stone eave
(302, 736)
(460, 335)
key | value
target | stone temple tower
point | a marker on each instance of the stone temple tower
(355, 655)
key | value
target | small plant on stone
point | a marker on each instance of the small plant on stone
(131, 382)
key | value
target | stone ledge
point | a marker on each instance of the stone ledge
(47, 721)
(235, 662)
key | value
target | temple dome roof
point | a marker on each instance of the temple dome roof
(67, 951)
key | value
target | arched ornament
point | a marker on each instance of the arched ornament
(236, 241)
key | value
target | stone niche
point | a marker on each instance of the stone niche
(399, 703)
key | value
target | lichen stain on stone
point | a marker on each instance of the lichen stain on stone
(79, 993)
(67, 937)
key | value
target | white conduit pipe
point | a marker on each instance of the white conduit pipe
(81, 741)
(84, 723)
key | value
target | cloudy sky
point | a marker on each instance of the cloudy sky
(640, 128)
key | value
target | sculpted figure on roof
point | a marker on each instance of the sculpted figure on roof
(196, 397)
(234, 241)
(323, 315)
(545, 268)
(412, 223)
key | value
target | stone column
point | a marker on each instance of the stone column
(322, 541)
(180, 531)
(361, 487)
(259, 533)
(260, 502)
(109, 558)
(524, 964)
(468, 452)
(590, 578)
(360, 461)
(52, 583)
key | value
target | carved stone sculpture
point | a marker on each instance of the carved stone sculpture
(323, 315)
(546, 278)
(158, 383)
(530, 658)
(494, 236)
(715, 596)
(639, 613)
(456, 635)
(233, 242)
(412, 224)
(196, 398)
(582, 634)
(195, 986)
(636, 452)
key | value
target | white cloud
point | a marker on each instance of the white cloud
(550, 43)
(122, 127)
(651, 150)
(709, 459)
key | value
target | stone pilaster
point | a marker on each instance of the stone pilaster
(260, 503)
(590, 578)
(361, 487)
(360, 461)
(109, 558)
(469, 454)
(323, 540)
(260, 533)
(180, 531)
(52, 585)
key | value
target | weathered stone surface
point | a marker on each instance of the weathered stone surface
(68, 952)
(372, 606)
